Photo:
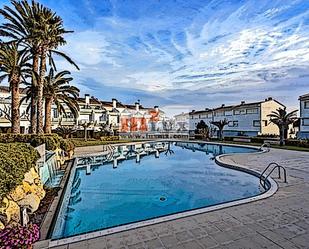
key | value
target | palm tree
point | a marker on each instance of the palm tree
(282, 119)
(13, 65)
(57, 90)
(40, 30)
(220, 124)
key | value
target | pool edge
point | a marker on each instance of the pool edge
(273, 187)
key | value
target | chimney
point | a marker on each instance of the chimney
(114, 103)
(242, 102)
(270, 98)
(156, 108)
(222, 105)
(137, 106)
(87, 99)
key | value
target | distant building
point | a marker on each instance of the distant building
(304, 116)
(5, 111)
(182, 121)
(247, 119)
(113, 115)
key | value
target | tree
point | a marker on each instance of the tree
(220, 124)
(13, 65)
(41, 31)
(58, 91)
(66, 131)
(282, 119)
(202, 129)
(85, 124)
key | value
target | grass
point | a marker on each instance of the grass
(92, 142)
(276, 146)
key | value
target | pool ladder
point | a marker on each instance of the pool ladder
(274, 166)
(265, 145)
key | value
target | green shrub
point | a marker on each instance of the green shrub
(109, 138)
(66, 145)
(52, 141)
(15, 160)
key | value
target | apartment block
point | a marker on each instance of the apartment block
(304, 116)
(247, 119)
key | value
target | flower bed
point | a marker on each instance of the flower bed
(21, 237)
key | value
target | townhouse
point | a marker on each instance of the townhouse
(112, 114)
(5, 111)
(182, 121)
(246, 119)
(304, 116)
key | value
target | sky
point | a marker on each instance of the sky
(184, 55)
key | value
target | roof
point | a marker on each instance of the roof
(230, 107)
(305, 96)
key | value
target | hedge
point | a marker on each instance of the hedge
(15, 160)
(52, 141)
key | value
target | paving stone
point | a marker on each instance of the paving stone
(191, 245)
(198, 232)
(169, 240)
(183, 236)
(208, 242)
(153, 244)
(301, 241)
(139, 245)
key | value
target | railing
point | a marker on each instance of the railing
(263, 179)
(267, 145)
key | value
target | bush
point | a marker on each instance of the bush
(66, 145)
(109, 138)
(52, 141)
(297, 143)
(19, 237)
(15, 160)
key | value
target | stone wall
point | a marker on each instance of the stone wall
(28, 195)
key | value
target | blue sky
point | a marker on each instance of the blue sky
(185, 55)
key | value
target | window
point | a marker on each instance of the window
(252, 111)
(256, 123)
(233, 124)
(306, 104)
(306, 122)
(238, 112)
(219, 114)
(228, 113)
(55, 113)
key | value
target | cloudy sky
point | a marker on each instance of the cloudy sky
(185, 55)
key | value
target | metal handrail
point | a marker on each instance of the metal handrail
(264, 179)
(267, 145)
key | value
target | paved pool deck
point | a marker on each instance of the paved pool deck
(280, 221)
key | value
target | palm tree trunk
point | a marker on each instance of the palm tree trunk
(85, 133)
(33, 120)
(282, 135)
(48, 107)
(15, 106)
(40, 117)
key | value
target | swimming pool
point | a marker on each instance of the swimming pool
(145, 181)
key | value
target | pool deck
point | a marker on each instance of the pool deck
(280, 221)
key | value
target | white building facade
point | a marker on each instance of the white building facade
(304, 117)
(244, 119)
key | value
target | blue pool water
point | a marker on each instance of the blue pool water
(181, 177)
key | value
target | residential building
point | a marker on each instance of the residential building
(304, 116)
(247, 119)
(114, 115)
(182, 121)
(5, 111)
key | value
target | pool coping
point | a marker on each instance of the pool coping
(273, 187)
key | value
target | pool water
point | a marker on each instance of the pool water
(182, 177)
